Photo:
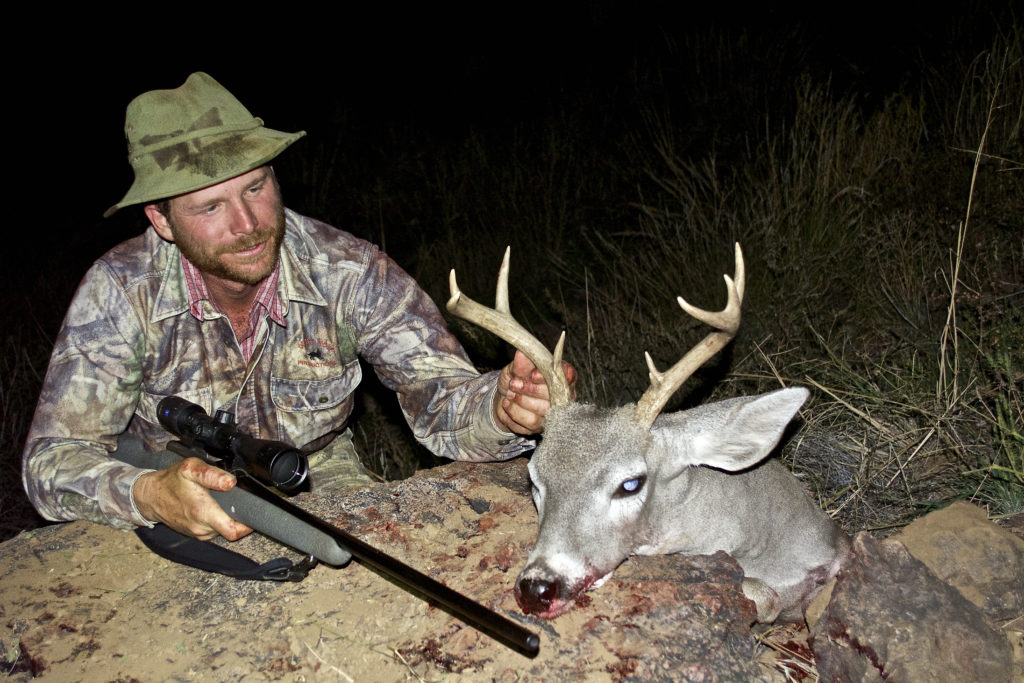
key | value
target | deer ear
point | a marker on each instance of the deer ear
(734, 434)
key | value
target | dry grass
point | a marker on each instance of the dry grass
(20, 377)
(903, 320)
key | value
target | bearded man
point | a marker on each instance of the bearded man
(233, 302)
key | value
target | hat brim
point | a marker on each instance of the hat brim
(197, 164)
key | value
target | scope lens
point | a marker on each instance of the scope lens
(288, 470)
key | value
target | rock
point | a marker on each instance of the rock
(963, 548)
(817, 606)
(81, 601)
(891, 617)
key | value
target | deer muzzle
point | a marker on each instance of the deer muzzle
(546, 594)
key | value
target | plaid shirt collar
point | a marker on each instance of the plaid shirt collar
(266, 299)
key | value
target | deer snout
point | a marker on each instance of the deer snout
(547, 593)
(537, 595)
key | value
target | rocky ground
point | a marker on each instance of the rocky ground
(84, 602)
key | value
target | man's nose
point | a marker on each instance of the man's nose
(244, 219)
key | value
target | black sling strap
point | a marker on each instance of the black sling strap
(169, 544)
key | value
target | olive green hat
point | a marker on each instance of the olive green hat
(193, 137)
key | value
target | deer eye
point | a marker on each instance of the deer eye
(630, 487)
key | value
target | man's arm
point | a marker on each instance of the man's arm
(89, 395)
(87, 398)
(452, 409)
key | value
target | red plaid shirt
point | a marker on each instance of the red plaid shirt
(265, 302)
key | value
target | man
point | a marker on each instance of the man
(233, 302)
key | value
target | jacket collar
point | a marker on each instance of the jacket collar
(293, 282)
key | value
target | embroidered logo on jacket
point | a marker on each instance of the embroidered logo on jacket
(318, 353)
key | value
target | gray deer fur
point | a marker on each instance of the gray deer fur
(699, 492)
(613, 482)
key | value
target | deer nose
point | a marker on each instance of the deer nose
(536, 595)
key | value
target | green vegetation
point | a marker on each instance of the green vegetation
(883, 235)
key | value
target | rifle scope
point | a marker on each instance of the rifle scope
(273, 462)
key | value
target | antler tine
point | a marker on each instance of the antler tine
(726, 322)
(499, 321)
(501, 294)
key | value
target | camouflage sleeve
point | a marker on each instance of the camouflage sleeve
(447, 403)
(88, 396)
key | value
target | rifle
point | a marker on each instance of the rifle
(216, 441)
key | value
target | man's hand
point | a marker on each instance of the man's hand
(178, 497)
(521, 401)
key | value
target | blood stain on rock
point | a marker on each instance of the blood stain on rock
(64, 590)
(506, 558)
(28, 662)
(88, 647)
(622, 669)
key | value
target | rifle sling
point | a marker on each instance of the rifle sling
(208, 556)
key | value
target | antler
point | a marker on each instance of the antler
(726, 321)
(499, 321)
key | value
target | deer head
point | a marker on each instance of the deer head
(609, 483)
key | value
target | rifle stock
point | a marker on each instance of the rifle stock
(258, 507)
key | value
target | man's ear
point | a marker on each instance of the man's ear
(159, 221)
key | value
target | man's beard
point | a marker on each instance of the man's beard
(209, 262)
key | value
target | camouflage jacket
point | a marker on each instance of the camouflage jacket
(128, 340)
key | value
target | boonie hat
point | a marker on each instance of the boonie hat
(192, 137)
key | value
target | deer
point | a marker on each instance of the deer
(609, 483)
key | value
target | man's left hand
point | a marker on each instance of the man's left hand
(522, 398)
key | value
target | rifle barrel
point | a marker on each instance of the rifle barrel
(485, 620)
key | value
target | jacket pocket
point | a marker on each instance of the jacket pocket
(306, 395)
(309, 412)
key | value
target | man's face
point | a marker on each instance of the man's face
(232, 230)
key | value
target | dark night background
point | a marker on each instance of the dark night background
(363, 73)
(391, 77)
(378, 87)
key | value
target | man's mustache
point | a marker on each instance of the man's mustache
(249, 241)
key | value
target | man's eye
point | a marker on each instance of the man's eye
(630, 487)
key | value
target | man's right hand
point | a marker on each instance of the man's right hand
(178, 497)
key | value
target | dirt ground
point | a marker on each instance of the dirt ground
(84, 602)
(81, 601)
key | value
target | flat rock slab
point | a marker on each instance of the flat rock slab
(981, 560)
(891, 618)
(81, 601)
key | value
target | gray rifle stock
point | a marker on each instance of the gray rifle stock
(258, 507)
